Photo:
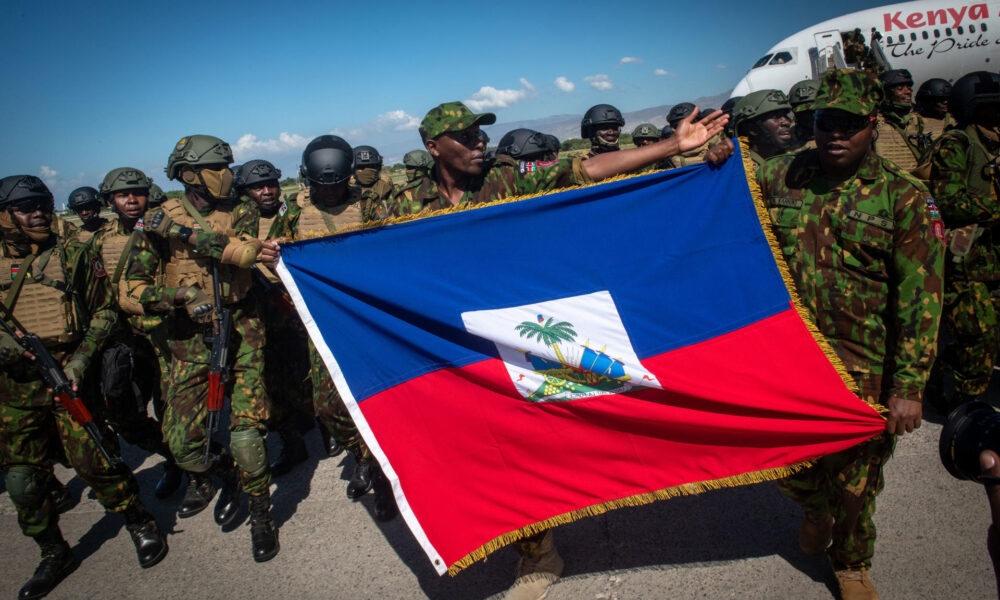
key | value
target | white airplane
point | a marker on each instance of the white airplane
(930, 38)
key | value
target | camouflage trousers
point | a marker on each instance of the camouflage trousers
(845, 484)
(185, 417)
(286, 361)
(330, 408)
(36, 433)
(972, 314)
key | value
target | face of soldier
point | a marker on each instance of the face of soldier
(459, 151)
(130, 204)
(988, 116)
(328, 194)
(640, 142)
(33, 213)
(88, 212)
(609, 136)
(265, 194)
(842, 139)
(772, 132)
(902, 93)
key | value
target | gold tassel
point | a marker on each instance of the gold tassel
(687, 489)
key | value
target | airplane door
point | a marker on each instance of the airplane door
(829, 53)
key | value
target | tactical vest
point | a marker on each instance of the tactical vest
(112, 252)
(311, 219)
(893, 145)
(186, 268)
(935, 127)
(43, 306)
(264, 226)
(977, 158)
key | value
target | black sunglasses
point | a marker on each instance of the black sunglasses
(841, 121)
(30, 205)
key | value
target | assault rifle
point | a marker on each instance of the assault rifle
(218, 371)
(54, 377)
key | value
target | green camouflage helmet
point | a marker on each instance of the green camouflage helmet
(856, 92)
(198, 150)
(756, 104)
(646, 131)
(156, 196)
(802, 94)
(124, 178)
(418, 159)
(451, 116)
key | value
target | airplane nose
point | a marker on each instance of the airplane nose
(743, 87)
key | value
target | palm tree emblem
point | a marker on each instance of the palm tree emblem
(548, 333)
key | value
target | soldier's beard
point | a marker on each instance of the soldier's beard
(366, 177)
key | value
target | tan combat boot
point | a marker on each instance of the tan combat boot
(536, 573)
(815, 533)
(854, 584)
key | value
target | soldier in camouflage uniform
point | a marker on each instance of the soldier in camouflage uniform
(330, 204)
(56, 286)
(931, 103)
(132, 364)
(800, 97)
(418, 164)
(189, 239)
(694, 156)
(862, 242)
(900, 130)
(85, 203)
(525, 144)
(602, 125)
(286, 356)
(461, 177)
(368, 175)
(764, 118)
(965, 180)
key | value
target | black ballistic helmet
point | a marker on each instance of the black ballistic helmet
(15, 188)
(327, 159)
(485, 139)
(679, 112)
(971, 428)
(523, 144)
(895, 77)
(935, 90)
(255, 171)
(979, 88)
(82, 196)
(601, 114)
(366, 156)
(551, 143)
(729, 105)
(666, 132)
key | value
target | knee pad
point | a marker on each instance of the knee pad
(26, 486)
(194, 462)
(249, 451)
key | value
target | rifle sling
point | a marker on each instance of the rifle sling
(125, 257)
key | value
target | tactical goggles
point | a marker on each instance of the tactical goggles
(30, 205)
(842, 121)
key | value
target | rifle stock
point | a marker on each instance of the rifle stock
(56, 380)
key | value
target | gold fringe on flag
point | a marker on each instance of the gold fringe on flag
(687, 489)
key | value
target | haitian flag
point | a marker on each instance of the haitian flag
(518, 365)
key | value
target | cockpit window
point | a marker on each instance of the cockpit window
(781, 58)
(762, 61)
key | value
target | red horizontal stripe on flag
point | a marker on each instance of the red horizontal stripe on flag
(476, 460)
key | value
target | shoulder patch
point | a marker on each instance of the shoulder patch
(140, 225)
(546, 163)
(283, 209)
(937, 225)
(98, 266)
(14, 270)
(526, 167)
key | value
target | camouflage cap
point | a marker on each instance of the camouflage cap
(451, 116)
(850, 90)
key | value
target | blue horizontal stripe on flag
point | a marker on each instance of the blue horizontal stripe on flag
(681, 252)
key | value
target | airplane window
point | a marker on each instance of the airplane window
(913, 37)
(937, 33)
(960, 32)
(925, 34)
(947, 31)
(982, 27)
(888, 40)
(781, 58)
(972, 29)
(762, 61)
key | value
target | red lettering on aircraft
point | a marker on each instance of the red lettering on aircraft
(945, 17)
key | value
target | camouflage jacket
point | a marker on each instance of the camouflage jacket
(282, 224)
(867, 263)
(137, 322)
(151, 251)
(507, 177)
(88, 288)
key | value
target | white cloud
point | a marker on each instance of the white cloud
(720, 66)
(47, 172)
(599, 82)
(248, 146)
(630, 59)
(397, 120)
(490, 97)
(565, 84)
(664, 72)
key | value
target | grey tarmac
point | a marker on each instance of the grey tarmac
(734, 543)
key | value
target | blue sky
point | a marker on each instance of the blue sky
(91, 86)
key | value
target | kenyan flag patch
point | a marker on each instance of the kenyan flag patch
(283, 209)
(196, 226)
(14, 270)
(527, 167)
(139, 224)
